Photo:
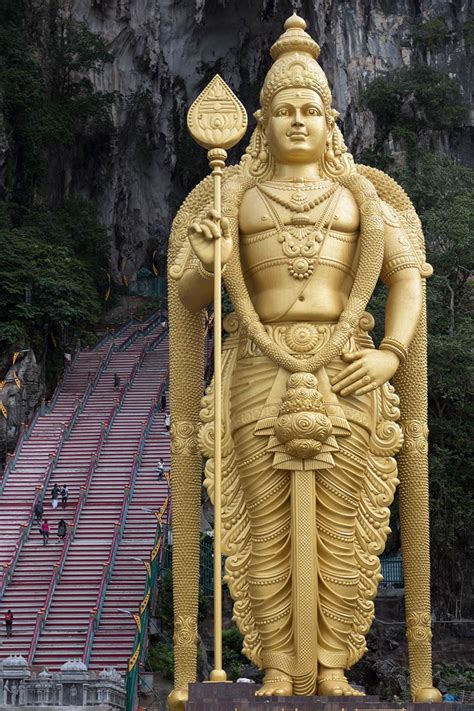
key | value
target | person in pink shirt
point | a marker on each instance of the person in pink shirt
(45, 531)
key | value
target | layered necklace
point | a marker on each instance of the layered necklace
(301, 240)
(298, 201)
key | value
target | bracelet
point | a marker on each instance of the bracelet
(393, 344)
(205, 274)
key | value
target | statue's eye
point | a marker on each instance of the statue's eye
(282, 112)
(313, 111)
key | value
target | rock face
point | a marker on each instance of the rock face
(19, 402)
(165, 51)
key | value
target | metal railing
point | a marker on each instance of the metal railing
(141, 331)
(26, 428)
(84, 491)
(90, 385)
(114, 334)
(43, 612)
(392, 571)
(67, 370)
(151, 345)
(206, 564)
(96, 612)
(154, 568)
(25, 528)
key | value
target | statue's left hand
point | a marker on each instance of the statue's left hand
(368, 369)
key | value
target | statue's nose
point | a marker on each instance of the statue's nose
(298, 118)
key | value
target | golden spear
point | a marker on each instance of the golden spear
(217, 121)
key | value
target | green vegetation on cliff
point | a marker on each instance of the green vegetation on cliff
(409, 105)
(411, 101)
(54, 261)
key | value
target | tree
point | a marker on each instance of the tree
(55, 254)
(61, 290)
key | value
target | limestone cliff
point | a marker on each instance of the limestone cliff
(165, 51)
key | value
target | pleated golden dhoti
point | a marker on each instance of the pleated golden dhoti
(255, 397)
(301, 578)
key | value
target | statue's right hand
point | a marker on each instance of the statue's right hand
(202, 235)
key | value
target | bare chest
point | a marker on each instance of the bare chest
(265, 207)
(291, 232)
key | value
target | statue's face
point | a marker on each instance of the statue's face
(296, 129)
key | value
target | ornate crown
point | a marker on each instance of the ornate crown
(295, 54)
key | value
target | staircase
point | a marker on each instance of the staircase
(104, 444)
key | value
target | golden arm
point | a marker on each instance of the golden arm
(370, 368)
(195, 291)
(196, 286)
(404, 304)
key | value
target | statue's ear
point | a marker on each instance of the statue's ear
(258, 116)
(332, 117)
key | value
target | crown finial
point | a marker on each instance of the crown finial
(295, 22)
(294, 39)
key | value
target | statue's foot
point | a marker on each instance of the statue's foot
(336, 685)
(275, 683)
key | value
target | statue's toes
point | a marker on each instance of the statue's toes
(282, 691)
(270, 690)
(349, 691)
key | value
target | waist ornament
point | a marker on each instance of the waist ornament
(298, 338)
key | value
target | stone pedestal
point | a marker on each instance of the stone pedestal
(241, 697)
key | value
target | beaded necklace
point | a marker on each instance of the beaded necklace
(295, 185)
(301, 239)
(298, 199)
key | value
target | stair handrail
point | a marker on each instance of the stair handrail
(152, 324)
(114, 334)
(145, 331)
(64, 429)
(25, 528)
(136, 367)
(10, 565)
(43, 612)
(153, 574)
(64, 376)
(139, 331)
(105, 430)
(151, 345)
(119, 526)
(29, 426)
(91, 385)
(26, 430)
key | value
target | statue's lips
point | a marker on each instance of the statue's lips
(298, 136)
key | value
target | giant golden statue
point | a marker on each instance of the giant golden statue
(310, 421)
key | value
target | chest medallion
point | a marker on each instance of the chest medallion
(301, 239)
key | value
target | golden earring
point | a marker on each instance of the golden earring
(263, 153)
(329, 151)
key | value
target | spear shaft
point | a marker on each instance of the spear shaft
(217, 121)
(217, 158)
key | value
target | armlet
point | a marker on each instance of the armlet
(400, 251)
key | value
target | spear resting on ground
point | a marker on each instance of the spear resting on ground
(309, 419)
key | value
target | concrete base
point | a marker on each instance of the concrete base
(241, 697)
